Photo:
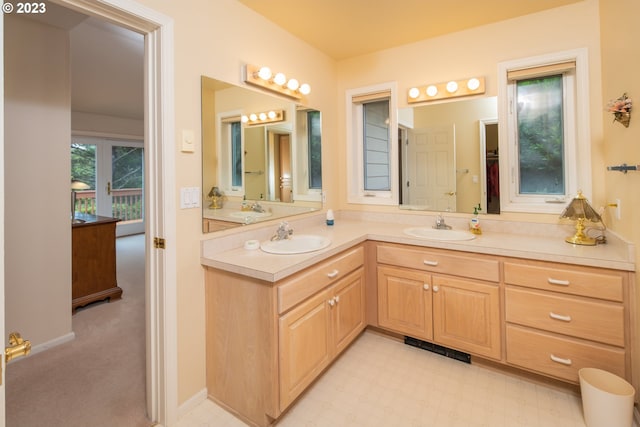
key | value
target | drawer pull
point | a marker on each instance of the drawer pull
(559, 317)
(332, 302)
(558, 282)
(333, 274)
(430, 263)
(560, 360)
(425, 286)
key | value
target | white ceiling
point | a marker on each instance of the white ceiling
(107, 62)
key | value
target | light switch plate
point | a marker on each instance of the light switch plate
(188, 141)
(189, 197)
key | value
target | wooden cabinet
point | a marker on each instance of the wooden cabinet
(561, 318)
(93, 261)
(266, 342)
(458, 312)
(313, 333)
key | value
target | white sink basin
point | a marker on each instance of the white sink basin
(249, 214)
(296, 244)
(436, 234)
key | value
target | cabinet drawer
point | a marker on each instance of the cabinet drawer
(561, 278)
(306, 283)
(597, 321)
(473, 267)
(560, 357)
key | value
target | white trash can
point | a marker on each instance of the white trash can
(607, 400)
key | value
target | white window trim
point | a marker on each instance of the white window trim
(355, 165)
(577, 145)
(224, 154)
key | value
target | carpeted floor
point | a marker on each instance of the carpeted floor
(98, 379)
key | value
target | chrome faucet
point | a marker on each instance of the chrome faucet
(283, 232)
(440, 224)
(256, 207)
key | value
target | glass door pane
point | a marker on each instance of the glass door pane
(127, 183)
(83, 177)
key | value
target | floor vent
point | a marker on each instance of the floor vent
(438, 349)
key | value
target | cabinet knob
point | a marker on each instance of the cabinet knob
(560, 360)
(333, 274)
(558, 282)
(425, 286)
(332, 302)
(337, 298)
(562, 317)
(436, 288)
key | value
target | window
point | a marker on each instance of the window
(314, 139)
(235, 130)
(230, 153)
(372, 145)
(544, 115)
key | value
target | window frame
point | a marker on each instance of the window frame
(355, 145)
(577, 134)
(223, 130)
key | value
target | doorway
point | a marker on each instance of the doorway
(160, 264)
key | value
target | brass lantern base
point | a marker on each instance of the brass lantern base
(580, 238)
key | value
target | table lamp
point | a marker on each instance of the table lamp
(580, 210)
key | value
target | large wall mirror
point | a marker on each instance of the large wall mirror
(261, 156)
(449, 156)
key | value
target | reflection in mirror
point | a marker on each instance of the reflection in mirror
(442, 164)
(256, 170)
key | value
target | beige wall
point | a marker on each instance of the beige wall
(37, 212)
(620, 71)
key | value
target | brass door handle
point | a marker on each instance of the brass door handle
(17, 347)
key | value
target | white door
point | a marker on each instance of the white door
(431, 168)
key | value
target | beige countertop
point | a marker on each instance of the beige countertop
(227, 252)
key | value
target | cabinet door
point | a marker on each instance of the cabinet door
(466, 315)
(305, 346)
(348, 309)
(404, 301)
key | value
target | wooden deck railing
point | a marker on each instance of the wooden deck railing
(126, 204)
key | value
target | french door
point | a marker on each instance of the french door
(107, 176)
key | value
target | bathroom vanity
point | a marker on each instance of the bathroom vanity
(529, 303)
(93, 260)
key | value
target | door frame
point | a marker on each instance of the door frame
(160, 213)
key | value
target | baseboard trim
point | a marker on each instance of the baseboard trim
(48, 345)
(192, 403)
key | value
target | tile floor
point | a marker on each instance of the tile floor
(383, 382)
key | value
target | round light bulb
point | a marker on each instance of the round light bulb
(280, 79)
(473, 84)
(264, 73)
(272, 115)
(245, 119)
(305, 89)
(263, 116)
(293, 84)
(414, 92)
(432, 90)
(452, 87)
(253, 117)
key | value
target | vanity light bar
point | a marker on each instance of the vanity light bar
(444, 90)
(278, 82)
(271, 116)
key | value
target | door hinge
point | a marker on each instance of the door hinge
(159, 243)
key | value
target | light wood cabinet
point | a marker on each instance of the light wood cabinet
(561, 318)
(457, 312)
(316, 331)
(266, 342)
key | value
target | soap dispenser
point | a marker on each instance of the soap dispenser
(474, 225)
